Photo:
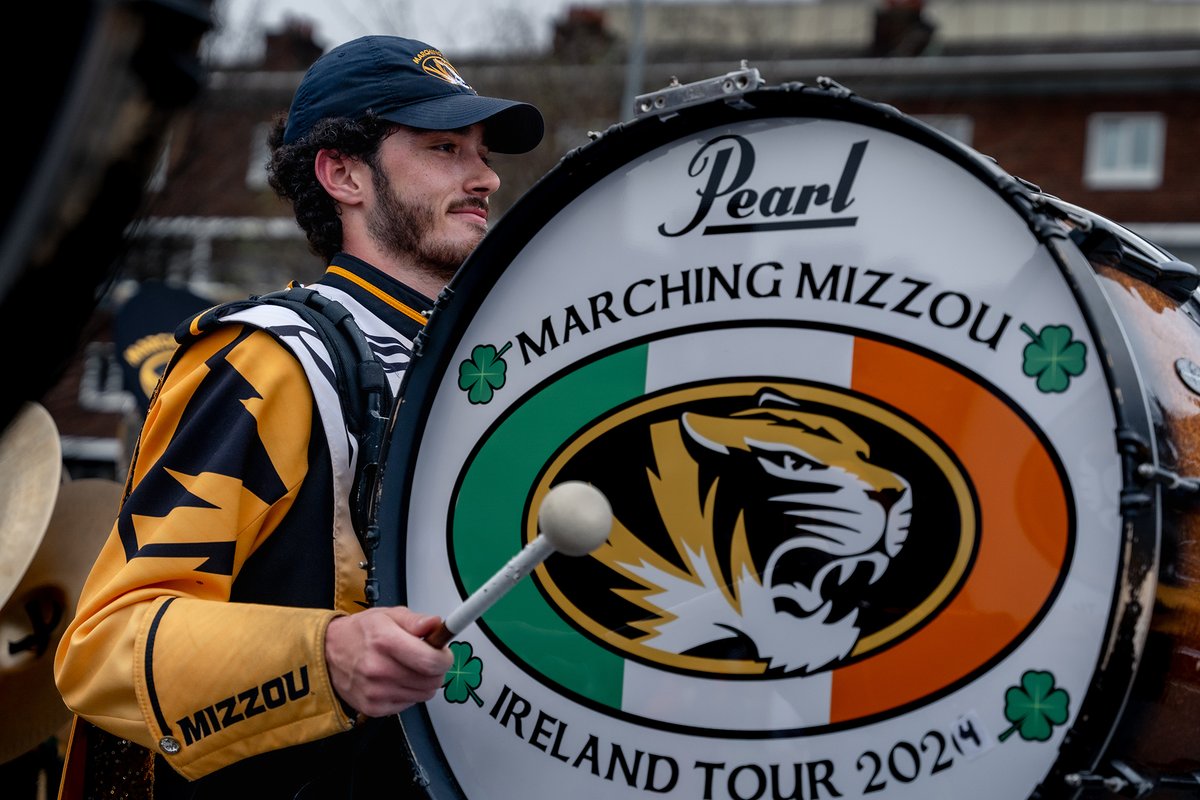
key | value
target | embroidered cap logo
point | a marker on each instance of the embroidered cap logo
(435, 64)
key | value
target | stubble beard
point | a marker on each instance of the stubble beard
(405, 230)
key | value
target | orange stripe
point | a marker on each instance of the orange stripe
(194, 325)
(1023, 514)
(387, 298)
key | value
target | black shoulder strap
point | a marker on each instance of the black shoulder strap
(362, 388)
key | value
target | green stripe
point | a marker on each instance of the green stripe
(489, 516)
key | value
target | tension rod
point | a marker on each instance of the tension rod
(1167, 479)
(1129, 782)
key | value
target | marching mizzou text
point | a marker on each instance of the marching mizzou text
(839, 283)
(873, 770)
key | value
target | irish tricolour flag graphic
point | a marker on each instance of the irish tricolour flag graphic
(699, 614)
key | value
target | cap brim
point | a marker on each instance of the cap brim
(512, 127)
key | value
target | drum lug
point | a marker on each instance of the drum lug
(1045, 227)
(1176, 279)
(1168, 479)
(1128, 782)
(1135, 452)
(833, 87)
(1103, 242)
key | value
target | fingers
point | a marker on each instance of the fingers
(378, 662)
(419, 625)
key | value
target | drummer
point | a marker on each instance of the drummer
(221, 648)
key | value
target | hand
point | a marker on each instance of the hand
(379, 663)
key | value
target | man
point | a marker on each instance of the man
(220, 648)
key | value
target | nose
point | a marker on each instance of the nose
(482, 180)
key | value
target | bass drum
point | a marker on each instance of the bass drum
(1154, 750)
(884, 468)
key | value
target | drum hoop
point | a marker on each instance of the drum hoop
(430, 773)
(1102, 706)
(580, 169)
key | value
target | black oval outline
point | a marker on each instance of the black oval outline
(737, 677)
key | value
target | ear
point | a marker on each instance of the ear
(346, 179)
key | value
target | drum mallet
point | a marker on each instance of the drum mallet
(575, 518)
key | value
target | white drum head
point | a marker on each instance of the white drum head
(857, 431)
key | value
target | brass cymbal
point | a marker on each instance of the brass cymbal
(33, 619)
(30, 473)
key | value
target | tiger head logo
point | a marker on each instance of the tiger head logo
(779, 520)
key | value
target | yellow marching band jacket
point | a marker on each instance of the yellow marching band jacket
(199, 634)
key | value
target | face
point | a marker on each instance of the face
(431, 196)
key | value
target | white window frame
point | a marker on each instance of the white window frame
(1110, 160)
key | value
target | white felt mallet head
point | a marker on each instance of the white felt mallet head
(576, 517)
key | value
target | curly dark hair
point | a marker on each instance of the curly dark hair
(290, 172)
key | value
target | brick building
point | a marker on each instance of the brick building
(1095, 101)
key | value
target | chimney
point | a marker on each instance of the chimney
(292, 48)
(901, 29)
(582, 36)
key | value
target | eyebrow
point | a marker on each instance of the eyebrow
(434, 132)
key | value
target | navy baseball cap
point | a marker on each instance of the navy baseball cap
(410, 83)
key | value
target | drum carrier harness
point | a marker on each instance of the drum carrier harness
(362, 389)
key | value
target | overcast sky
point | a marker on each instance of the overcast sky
(455, 26)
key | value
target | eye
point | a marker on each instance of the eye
(784, 464)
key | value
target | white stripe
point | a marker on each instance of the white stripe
(775, 704)
(375, 330)
(742, 352)
(769, 705)
(343, 448)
